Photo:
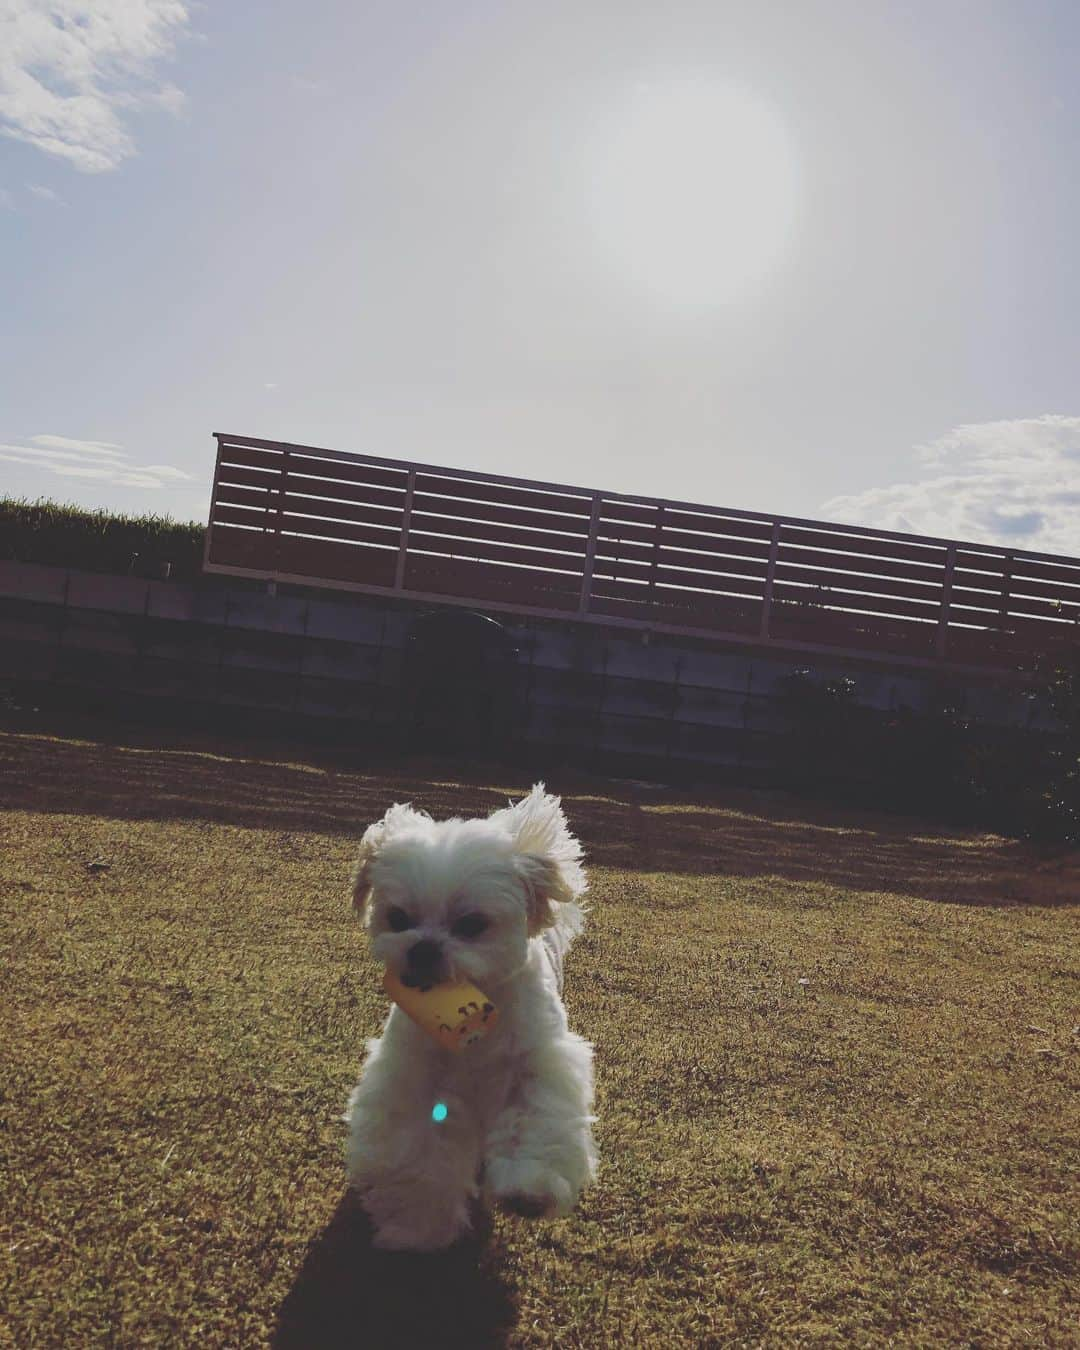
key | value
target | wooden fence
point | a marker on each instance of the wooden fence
(294, 513)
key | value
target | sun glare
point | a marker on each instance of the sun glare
(692, 191)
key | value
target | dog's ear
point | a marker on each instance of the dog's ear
(371, 843)
(548, 856)
(360, 880)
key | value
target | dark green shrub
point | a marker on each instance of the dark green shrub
(99, 541)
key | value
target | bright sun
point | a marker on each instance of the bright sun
(692, 191)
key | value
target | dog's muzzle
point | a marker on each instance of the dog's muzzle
(422, 964)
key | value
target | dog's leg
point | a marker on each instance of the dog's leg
(539, 1151)
(415, 1174)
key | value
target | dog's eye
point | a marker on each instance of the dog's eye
(469, 926)
(398, 919)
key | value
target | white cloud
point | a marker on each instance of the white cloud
(46, 194)
(1014, 484)
(85, 447)
(70, 68)
(71, 458)
(166, 471)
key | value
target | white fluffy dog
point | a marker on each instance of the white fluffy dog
(492, 902)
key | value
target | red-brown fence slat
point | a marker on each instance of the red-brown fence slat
(319, 489)
(390, 517)
(345, 531)
(265, 499)
(701, 531)
(710, 564)
(978, 587)
(833, 600)
(675, 590)
(252, 459)
(716, 545)
(964, 597)
(859, 546)
(646, 537)
(642, 514)
(1066, 574)
(507, 496)
(233, 475)
(623, 531)
(851, 567)
(851, 581)
(482, 581)
(342, 562)
(624, 550)
(699, 583)
(421, 541)
(976, 561)
(499, 515)
(265, 521)
(497, 534)
(1031, 607)
(375, 475)
(1043, 590)
(231, 547)
(700, 522)
(622, 569)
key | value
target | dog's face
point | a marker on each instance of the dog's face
(459, 899)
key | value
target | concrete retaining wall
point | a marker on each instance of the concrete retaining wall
(342, 659)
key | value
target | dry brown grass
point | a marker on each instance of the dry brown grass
(837, 1059)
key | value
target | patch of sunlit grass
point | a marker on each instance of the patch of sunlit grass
(837, 1065)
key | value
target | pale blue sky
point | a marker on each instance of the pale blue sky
(439, 231)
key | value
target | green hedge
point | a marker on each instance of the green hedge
(99, 541)
(941, 761)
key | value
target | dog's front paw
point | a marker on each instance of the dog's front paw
(410, 1233)
(423, 1221)
(527, 1188)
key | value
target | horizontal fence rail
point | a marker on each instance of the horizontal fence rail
(321, 517)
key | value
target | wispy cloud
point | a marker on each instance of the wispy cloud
(71, 458)
(1015, 484)
(81, 447)
(70, 70)
(46, 194)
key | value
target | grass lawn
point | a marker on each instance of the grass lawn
(838, 1056)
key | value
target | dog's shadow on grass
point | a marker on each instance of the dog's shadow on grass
(349, 1294)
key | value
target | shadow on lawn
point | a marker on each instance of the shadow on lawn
(347, 1294)
(627, 826)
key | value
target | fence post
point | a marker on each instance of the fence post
(281, 509)
(946, 596)
(654, 565)
(1006, 586)
(399, 575)
(770, 576)
(590, 556)
(213, 502)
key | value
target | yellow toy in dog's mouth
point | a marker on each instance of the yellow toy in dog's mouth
(453, 1015)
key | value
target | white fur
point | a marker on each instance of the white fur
(518, 1126)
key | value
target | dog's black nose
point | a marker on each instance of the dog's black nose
(424, 955)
